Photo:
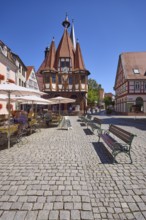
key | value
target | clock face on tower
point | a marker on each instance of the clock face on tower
(65, 69)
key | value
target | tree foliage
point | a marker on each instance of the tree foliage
(92, 84)
(108, 101)
(93, 92)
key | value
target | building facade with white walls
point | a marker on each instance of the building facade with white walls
(130, 83)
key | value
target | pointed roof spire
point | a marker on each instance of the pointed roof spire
(72, 35)
(65, 48)
(79, 63)
(50, 56)
(66, 22)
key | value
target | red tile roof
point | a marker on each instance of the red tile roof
(65, 48)
(29, 69)
(134, 60)
(50, 57)
(79, 63)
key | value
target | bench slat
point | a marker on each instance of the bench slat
(122, 134)
(114, 145)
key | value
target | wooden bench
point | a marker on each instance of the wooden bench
(86, 118)
(113, 141)
(95, 124)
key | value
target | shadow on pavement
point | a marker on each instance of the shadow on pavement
(82, 124)
(139, 123)
(103, 153)
(88, 131)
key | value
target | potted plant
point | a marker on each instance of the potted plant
(10, 81)
(2, 77)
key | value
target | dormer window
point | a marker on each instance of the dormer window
(136, 71)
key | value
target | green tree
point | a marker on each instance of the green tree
(108, 101)
(93, 92)
(92, 84)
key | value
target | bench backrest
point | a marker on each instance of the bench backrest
(89, 117)
(126, 136)
(97, 120)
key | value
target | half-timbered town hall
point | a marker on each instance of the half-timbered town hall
(62, 72)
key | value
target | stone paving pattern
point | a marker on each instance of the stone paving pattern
(68, 175)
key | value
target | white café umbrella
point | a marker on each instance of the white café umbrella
(60, 99)
(33, 100)
(5, 97)
(11, 89)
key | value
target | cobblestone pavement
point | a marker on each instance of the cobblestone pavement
(68, 175)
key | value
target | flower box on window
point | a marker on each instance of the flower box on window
(2, 77)
(10, 81)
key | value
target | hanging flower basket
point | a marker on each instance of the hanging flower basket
(1, 106)
(2, 77)
(10, 81)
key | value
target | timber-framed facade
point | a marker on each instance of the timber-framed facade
(63, 73)
(130, 83)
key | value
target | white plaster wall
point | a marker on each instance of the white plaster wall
(3, 71)
(83, 86)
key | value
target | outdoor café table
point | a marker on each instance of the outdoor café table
(13, 128)
(4, 132)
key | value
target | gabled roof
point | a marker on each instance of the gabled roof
(9, 52)
(131, 61)
(29, 69)
(65, 48)
(15, 56)
(79, 63)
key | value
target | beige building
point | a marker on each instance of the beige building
(12, 70)
(21, 73)
(8, 70)
(130, 83)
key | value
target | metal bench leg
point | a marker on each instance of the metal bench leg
(130, 157)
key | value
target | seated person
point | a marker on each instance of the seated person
(23, 120)
(16, 117)
(48, 117)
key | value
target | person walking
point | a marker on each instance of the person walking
(48, 117)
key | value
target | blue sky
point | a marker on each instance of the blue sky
(105, 29)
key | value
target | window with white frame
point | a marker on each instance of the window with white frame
(8, 72)
(33, 75)
(137, 85)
